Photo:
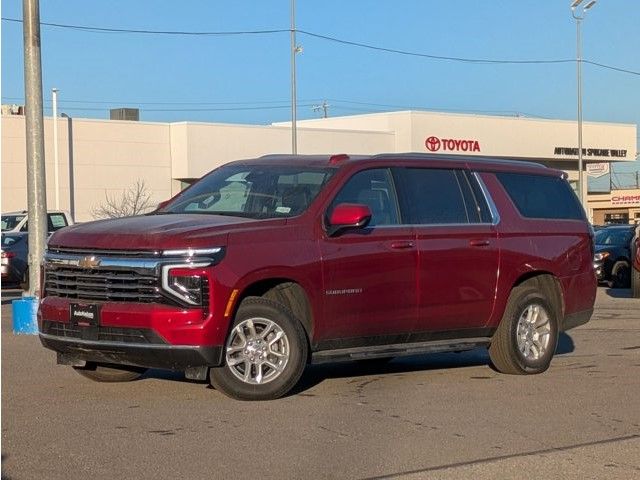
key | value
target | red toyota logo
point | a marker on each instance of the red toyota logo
(432, 144)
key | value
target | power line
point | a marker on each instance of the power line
(86, 28)
(277, 104)
(230, 109)
(426, 55)
(129, 102)
(327, 38)
(453, 110)
(611, 68)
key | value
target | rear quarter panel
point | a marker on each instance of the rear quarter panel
(532, 246)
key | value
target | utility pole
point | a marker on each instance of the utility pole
(56, 178)
(36, 182)
(324, 107)
(578, 18)
(295, 49)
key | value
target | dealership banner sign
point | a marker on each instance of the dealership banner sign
(591, 152)
(597, 170)
(626, 200)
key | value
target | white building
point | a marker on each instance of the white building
(98, 157)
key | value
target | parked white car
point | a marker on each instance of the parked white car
(18, 222)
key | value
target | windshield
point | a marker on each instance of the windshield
(9, 222)
(254, 191)
(617, 237)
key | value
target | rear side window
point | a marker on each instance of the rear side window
(539, 196)
(437, 196)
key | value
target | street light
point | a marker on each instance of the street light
(578, 18)
(56, 176)
(295, 49)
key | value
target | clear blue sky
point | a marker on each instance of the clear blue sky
(141, 70)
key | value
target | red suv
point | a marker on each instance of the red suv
(266, 265)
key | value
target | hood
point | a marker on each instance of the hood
(155, 232)
(607, 248)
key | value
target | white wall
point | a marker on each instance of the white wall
(211, 145)
(108, 157)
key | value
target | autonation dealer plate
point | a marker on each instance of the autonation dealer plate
(87, 318)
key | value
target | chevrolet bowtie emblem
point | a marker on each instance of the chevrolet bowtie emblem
(89, 262)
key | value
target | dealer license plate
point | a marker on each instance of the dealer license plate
(87, 318)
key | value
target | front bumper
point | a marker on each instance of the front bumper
(73, 351)
(144, 335)
(598, 268)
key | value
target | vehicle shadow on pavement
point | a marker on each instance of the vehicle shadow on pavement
(173, 376)
(316, 374)
(565, 344)
(618, 292)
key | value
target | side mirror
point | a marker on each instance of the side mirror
(348, 215)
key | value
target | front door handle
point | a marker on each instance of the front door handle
(479, 243)
(402, 245)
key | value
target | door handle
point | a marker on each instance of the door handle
(479, 243)
(402, 245)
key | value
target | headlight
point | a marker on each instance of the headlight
(187, 282)
(598, 257)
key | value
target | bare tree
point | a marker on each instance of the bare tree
(133, 201)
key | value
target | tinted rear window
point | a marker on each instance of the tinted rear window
(434, 196)
(538, 196)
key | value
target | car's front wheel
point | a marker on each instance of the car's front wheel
(527, 336)
(620, 275)
(265, 353)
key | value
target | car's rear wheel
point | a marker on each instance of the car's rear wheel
(527, 336)
(620, 275)
(265, 353)
(104, 372)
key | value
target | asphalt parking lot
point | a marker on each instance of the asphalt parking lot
(435, 416)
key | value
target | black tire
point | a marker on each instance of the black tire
(504, 351)
(108, 373)
(225, 378)
(620, 275)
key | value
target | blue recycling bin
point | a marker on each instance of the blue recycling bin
(25, 316)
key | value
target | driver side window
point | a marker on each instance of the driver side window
(373, 188)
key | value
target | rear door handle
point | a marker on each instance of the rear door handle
(479, 243)
(402, 245)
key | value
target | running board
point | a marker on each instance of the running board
(398, 350)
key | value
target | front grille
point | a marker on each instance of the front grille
(113, 253)
(104, 334)
(102, 284)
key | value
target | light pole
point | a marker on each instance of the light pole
(36, 182)
(56, 176)
(295, 49)
(578, 18)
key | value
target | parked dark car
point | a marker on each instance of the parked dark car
(15, 251)
(612, 258)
